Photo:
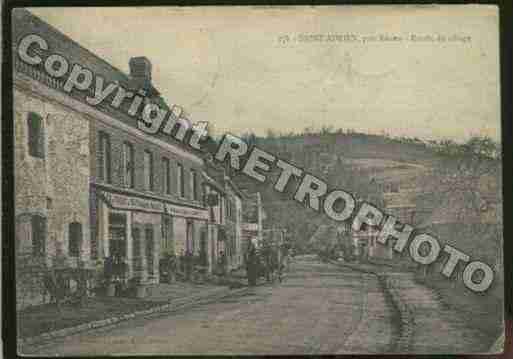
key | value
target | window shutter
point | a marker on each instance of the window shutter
(101, 151)
(41, 139)
(104, 159)
(23, 235)
(35, 135)
(107, 158)
(149, 247)
(75, 239)
(38, 235)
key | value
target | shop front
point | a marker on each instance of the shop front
(138, 231)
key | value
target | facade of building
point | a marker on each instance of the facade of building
(89, 183)
(233, 224)
(226, 207)
(149, 200)
(51, 179)
(252, 220)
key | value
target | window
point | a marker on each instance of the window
(75, 239)
(36, 141)
(221, 206)
(136, 248)
(179, 180)
(189, 241)
(38, 235)
(149, 247)
(194, 187)
(166, 175)
(167, 233)
(128, 164)
(230, 210)
(148, 171)
(104, 158)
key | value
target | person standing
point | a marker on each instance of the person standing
(251, 266)
(222, 263)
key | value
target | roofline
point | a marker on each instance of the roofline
(94, 114)
(234, 187)
(213, 182)
(67, 38)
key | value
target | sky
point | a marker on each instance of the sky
(251, 69)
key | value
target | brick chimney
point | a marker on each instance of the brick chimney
(140, 71)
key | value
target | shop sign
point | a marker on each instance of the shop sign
(187, 212)
(133, 203)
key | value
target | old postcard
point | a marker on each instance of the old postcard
(257, 180)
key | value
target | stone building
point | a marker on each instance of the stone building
(52, 170)
(89, 183)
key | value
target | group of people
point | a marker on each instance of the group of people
(181, 266)
(265, 262)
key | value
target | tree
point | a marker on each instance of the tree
(465, 188)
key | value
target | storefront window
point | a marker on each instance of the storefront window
(149, 247)
(167, 233)
(136, 248)
(190, 240)
(117, 234)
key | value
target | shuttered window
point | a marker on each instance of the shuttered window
(180, 180)
(128, 164)
(136, 248)
(75, 239)
(104, 159)
(148, 171)
(38, 235)
(36, 142)
(166, 175)
(149, 247)
(194, 185)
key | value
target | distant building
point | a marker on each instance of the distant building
(225, 206)
(252, 219)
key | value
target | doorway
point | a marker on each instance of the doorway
(117, 235)
(190, 238)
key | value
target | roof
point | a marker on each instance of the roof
(212, 182)
(234, 187)
(25, 23)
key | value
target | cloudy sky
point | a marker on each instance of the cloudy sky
(253, 69)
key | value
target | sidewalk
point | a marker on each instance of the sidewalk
(45, 322)
(165, 292)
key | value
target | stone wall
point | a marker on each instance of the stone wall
(55, 186)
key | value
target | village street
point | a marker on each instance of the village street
(319, 308)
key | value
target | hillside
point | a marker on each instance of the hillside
(381, 169)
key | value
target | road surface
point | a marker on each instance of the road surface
(319, 308)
